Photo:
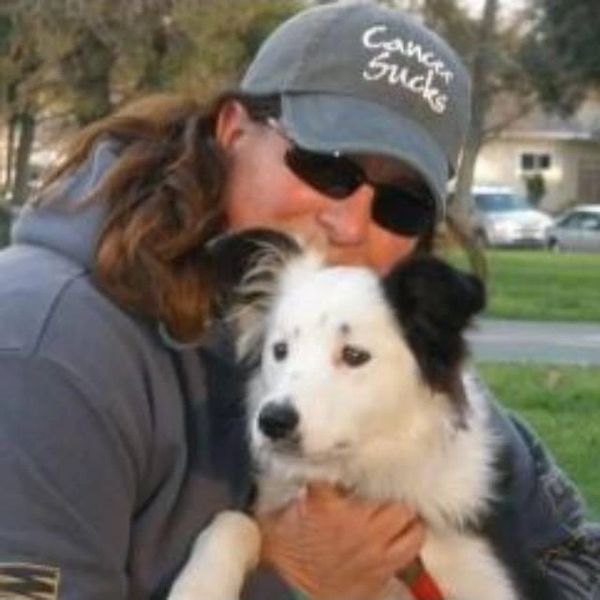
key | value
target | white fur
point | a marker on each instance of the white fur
(221, 558)
(377, 429)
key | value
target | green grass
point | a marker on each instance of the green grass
(562, 404)
(540, 285)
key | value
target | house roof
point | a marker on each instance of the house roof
(584, 125)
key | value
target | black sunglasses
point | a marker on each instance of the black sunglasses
(401, 211)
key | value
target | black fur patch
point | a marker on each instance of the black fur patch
(505, 527)
(434, 304)
(235, 254)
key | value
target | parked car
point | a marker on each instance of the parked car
(577, 230)
(505, 218)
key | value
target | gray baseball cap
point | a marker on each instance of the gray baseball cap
(356, 77)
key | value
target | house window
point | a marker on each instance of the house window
(531, 161)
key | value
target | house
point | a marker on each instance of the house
(563, 153)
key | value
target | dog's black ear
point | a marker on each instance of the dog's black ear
(247, 266)
(434, 303)
(237, 257)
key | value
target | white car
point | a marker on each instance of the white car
(578, 230)
(505, 218)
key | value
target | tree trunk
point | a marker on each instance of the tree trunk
(461, 209)
(10, 153)
(20, 188)
(482, 67)
(87, 69)
(152, 77)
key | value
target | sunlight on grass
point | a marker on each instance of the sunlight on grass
(563, 405)
(539, 285)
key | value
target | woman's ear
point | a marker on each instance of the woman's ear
(232, 120)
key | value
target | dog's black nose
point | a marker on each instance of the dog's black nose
(277, 420)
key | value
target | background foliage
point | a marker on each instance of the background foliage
(71, 62)
(68, 62)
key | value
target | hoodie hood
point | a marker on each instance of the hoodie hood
(63, 221)
(66, 224)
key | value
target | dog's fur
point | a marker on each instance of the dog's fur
(357, 381)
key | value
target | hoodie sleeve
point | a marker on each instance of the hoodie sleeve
(67, 487)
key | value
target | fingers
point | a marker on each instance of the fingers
(392, 517)
(383, 519)
(392, 531)
(406, 546)
(322, 541)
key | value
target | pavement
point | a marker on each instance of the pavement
(538, 342)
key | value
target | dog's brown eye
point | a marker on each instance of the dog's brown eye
(280, 350)
(355, 357)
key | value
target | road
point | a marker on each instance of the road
(541, 342)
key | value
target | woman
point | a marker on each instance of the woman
(120, 427)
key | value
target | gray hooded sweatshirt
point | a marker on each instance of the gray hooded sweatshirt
(117, 445)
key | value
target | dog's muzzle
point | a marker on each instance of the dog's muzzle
(278, 420)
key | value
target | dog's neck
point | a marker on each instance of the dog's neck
(448, 482)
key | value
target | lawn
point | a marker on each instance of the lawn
(540, 285)
(563, 405)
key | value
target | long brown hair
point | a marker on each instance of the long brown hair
(163, 195)
(164, 203)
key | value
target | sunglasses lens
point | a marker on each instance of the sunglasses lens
(336, 177)
(397, 210)
(401, 211)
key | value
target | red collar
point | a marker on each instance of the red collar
(418, 580)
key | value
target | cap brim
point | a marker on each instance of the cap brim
(329, 123)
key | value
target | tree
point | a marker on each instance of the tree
(488, 49)
(81, 58)
(20, 67)
(225, 36)
(536, 187)
(561, 51)
(482, 65)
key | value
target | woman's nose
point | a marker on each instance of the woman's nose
(347, 220)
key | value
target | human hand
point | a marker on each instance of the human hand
(331, 547)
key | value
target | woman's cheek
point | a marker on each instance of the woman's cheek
(387, 249)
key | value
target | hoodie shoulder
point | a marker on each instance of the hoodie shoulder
(33, 281)
(51, 308)
(63, 220)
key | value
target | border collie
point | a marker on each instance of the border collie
(356, 380)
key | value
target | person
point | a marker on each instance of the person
(121, 426)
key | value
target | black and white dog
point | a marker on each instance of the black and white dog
(357, 380)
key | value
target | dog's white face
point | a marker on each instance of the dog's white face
(338, 384)
(357, 374)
